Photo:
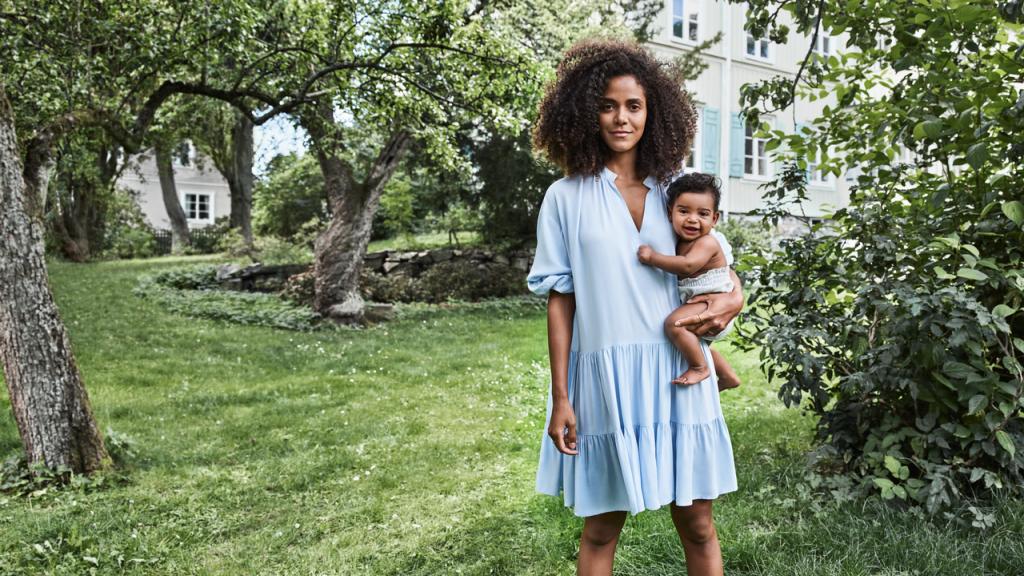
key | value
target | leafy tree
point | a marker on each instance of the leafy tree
(225, 135)
(898, 321)
(70, 72)
(291, 194)
(509, 181)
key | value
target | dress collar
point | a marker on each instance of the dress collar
(650, 182)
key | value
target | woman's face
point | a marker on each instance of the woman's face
(622, 113)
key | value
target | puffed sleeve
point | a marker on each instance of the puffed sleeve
(551, 269)
(726, 247)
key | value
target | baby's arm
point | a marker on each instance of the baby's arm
(704, 249)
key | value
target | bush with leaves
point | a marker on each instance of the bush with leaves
(289, 195)
(899, 322)
(128, 235)
(193, 292)
(751, 243)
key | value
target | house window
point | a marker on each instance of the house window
(755, 157)
(818, 176)
(197, 207)
(823, 45)
(758, 48)
(685, 25)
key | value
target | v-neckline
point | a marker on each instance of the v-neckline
(648, 183)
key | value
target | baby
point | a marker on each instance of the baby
(700, 263)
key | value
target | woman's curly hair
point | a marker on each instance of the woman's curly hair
(568, 129)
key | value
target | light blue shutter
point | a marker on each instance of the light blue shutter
(736, 147)
(711, 142)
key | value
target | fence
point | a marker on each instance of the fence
(204, 240)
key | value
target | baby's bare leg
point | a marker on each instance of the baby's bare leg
(688, 344)
(727, 377)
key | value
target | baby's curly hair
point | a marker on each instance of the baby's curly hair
(568, 129)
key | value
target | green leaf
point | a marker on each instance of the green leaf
(941, 273)
(892, 465)
(972, 274)
(988, 208)
(1002, 310)
(929, 128)
(975, 403)
(1006, 442)
(977, 154)
(1014, 210)
(945, 381)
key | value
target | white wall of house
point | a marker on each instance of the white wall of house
(722, 146)
(202, 191)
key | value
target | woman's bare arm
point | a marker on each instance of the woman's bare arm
(722, 308)
(562, 428)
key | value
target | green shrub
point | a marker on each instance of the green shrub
(207, 240)
(191, 292)
(751, 243)
(463, 281)
(132, 243)
(899, 322)
(128, 235)
(444, 282)
(202, 277)
(291, 194)
(377, 287)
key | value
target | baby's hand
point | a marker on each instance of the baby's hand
(645, 253)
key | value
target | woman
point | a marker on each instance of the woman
(622, 437)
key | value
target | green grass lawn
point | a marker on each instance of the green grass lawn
(425, 241)
(406, 448)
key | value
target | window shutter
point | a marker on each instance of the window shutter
(711, 143)
(736, 147)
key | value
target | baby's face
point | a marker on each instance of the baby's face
(693, 215)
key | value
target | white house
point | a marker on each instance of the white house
(724, 145)
(202, 191)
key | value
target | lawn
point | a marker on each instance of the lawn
(406, 448)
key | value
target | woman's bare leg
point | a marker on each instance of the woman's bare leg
(688, 344)
(597, 543)
(727, 377)
(696, 529)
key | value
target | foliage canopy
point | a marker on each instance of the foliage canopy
(899, 320)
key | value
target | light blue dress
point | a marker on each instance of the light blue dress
(643, 442)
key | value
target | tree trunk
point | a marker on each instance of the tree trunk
(180, 237)
(241, 189)
(51, 407)
(340, 248)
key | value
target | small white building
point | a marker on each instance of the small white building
(202, 191)
(725, 145)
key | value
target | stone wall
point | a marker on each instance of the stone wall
(414, 264)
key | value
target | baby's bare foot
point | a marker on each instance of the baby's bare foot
(695, 375)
